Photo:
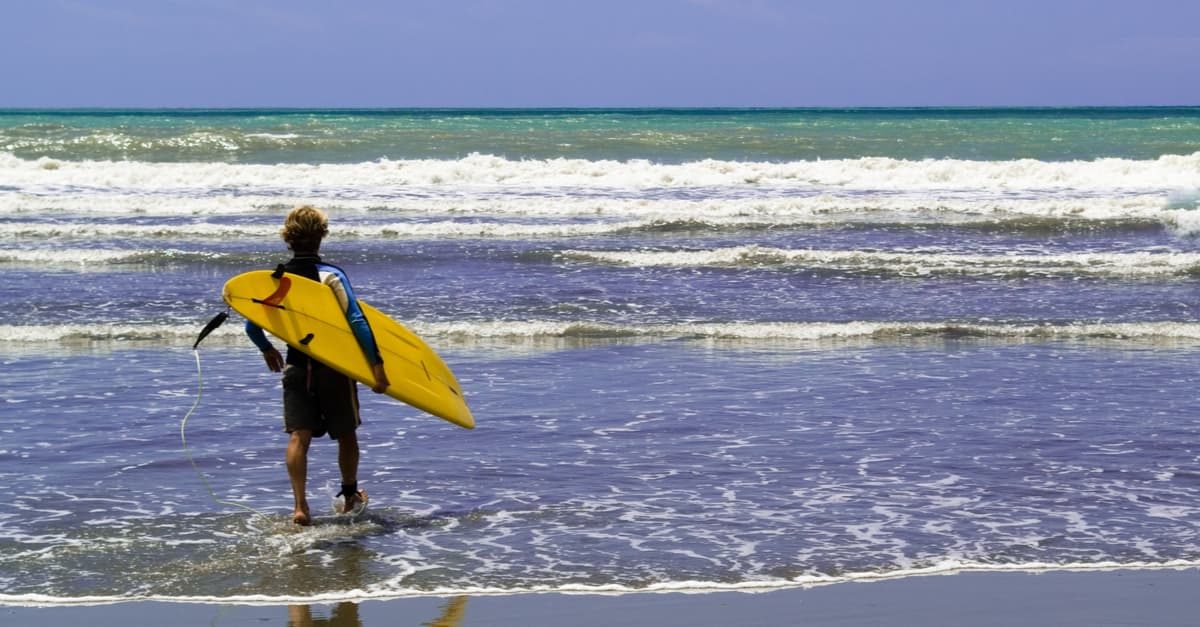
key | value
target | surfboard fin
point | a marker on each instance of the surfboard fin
(285, 284)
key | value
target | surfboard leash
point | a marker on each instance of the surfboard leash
(217, 321)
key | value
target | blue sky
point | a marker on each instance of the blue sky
(572, 53)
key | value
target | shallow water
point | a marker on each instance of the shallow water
(712, 365)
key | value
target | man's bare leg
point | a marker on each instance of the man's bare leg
(297, 466)
(348, 465)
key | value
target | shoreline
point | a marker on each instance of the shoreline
(1161, 597)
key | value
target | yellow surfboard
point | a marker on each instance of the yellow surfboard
(306, 315)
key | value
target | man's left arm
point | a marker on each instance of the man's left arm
(336, 279)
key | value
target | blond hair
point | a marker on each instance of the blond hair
(304, 229)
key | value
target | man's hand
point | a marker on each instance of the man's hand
(381, 380)
(274, 360)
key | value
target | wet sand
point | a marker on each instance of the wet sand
(1063, 599)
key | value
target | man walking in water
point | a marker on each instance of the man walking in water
(316, 398)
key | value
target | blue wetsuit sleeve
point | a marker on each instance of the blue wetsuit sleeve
(336, 279)
(258, 336)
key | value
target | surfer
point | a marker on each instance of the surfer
(316, 398)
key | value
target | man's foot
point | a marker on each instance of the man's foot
(302, 517)
(352, 503)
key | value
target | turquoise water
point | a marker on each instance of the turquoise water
(706, 349)
(660, 135)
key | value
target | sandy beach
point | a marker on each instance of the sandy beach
(1105, 598)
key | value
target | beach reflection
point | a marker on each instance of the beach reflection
(452, 613)
(343, 615)
(346, 615)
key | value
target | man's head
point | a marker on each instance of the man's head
(304, 229)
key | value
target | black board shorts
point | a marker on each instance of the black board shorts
(319, 399)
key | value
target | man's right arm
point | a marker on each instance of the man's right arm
(270, 355)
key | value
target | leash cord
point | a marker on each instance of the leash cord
(188, 452)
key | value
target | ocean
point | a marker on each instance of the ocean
(705, 349)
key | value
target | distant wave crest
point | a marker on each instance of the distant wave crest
(909, 263)
(524, 332)
(866, 173)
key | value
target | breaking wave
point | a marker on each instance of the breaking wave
(524, 332)
(910, 263)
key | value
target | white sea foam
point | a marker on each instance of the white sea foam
(86, 229)
(395, 589)
(207, 231)
(821, 206)
(906, 262)
(1163, 173)
(605, 194)
(518, 216)
(523, 332)
(811, 331)
(96, 258)
(910, 263)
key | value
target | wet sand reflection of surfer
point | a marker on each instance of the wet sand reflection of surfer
(346, 615)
